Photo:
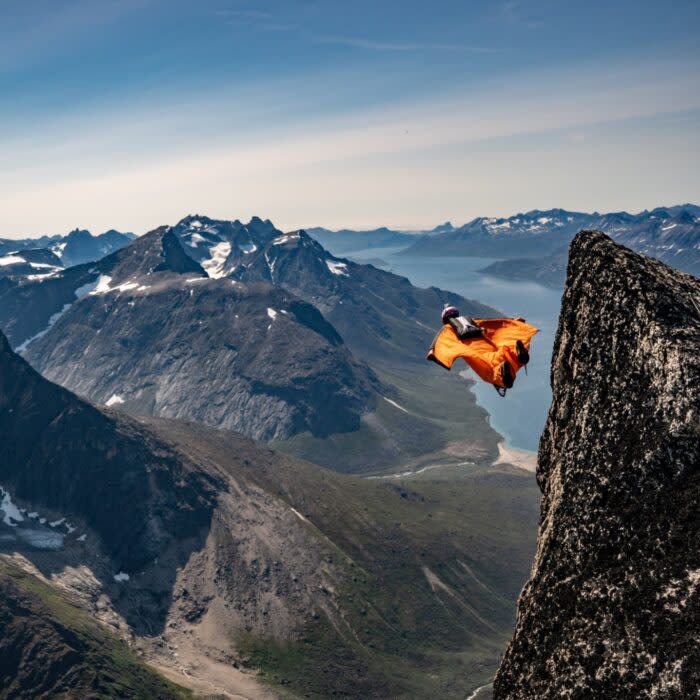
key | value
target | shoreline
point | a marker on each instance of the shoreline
(523, 459)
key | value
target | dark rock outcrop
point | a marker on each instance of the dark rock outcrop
(612, 608)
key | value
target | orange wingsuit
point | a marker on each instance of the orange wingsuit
(484, 354)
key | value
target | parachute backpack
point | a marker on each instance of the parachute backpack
(495, 348)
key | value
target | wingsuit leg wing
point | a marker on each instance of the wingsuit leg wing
(484, 354)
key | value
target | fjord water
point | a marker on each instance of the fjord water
(520, 416)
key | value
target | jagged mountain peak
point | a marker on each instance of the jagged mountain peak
(161, 336)
(159, 251)
(221, 245)
(78, 232)
(294, 260)
(613, 603)
(443, 228)
(253, 251)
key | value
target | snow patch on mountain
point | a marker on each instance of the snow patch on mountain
(195, 240)
(10, 512)
(44, 275)
(101, 285)
(11, 260)
(270, 265)
(114, 400)
(41, 539)
(248, 248)
(281, 240)
(52, 321)
(214, 267)
(37, 537)
(338, 268)
(299, 515)
(394, 404)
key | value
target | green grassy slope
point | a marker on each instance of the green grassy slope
(50, 648)
(440, 421)
(431, 565)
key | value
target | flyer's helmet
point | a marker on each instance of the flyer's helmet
(449, 312)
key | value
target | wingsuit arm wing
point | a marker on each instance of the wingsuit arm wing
(445, 348)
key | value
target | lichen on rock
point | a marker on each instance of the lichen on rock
(612, 608)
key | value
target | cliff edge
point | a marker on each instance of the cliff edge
(612, 608)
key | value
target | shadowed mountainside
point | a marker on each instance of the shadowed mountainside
(245, 328)
(227, 565)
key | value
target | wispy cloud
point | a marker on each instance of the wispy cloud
(260, 19)
(514, 12)
(401, 46)
(496, 148)
(266, 21)
(39, 35)
(245, 14)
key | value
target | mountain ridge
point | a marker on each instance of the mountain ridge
(147, 295)
(215, 557)
(75, 248)
(533, 246)
(248, 328)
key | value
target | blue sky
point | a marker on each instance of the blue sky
(133, 113)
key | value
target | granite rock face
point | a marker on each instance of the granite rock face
(612, 609)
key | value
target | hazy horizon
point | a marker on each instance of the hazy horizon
(369, 227)
(126, 114)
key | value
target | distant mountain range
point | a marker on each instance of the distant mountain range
(41, 256)
(231, 567)
(535, 244)
(244, 327)
(346, 241)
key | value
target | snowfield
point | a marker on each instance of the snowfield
(214, 267)
(52, 320)
(11, 260)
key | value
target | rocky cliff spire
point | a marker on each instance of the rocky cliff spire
(612, 609)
